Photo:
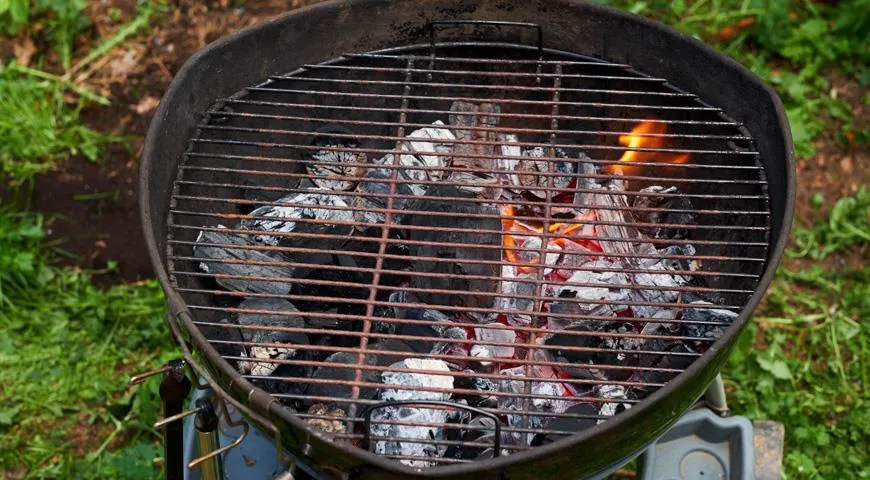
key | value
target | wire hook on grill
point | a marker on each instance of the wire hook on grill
(367, 418)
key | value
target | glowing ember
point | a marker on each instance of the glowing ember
(648, 134)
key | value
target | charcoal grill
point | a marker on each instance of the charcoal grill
(247, 122)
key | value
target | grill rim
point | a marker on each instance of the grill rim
(229, 378)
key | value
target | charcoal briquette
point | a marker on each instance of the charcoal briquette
(257, 263)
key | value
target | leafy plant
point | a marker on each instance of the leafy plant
(39, 126)
(58, 21)
(66, 348)
(848, 224)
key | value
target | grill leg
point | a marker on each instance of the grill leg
(715, 397)
(173, 390)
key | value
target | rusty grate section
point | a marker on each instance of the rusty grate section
(571, 236)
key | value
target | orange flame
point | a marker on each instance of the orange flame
(511, 225)
(646, 134)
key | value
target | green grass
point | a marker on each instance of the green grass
(805, 360)
(39, 126)
(66, 351)
(40, 120)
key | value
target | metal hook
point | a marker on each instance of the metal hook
(193, 464)
(165, 421)
(137, 379)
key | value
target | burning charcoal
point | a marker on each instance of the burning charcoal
(511, 288)
(609, 291)
(415, 436)
(610, 208)
(529, 172)
(466, 119)
(549, 387)
(347, 372)
(284, 319)
(428, 152)
(670, 217)
(615, 393)
(573, 425)
(476, 184)
(281, 286)
(339, 162)
(479, 430)
(376, 190)
(499, 334)
(328, 425)
(454, 349)
(507, 164)
(585, 360)
(319, 204)
(712, 314)
(659, 282)
(485, 386)
(461, 257)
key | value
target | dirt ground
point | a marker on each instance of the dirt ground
(96, 205)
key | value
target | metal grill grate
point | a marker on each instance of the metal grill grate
(448, 252)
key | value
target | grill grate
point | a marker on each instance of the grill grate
(255, 149)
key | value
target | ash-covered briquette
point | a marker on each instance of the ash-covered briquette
(602, 295)
(284, 317)
(455, 261)
(549, 396)
(376, 190)
(315, 204)
(336, 159)
(680, 211)
(615, 396)
(586, 362)
(705, 316)
(414, 437)
(512, 286)
(658, 283)
(473, 122)
(533, 174)
(489, 334)
(329, 376)
(215, 260)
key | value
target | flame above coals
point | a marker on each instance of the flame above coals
(647, 134)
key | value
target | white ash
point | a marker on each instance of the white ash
(416, 447)
(376, 188)
(608, 291)
(659, 283)
(499, 334)
(510, 158)
(532, 254)
(316, 205)
(529, 170)
(615, 393)
(511, 285)
(428, 151)
(623, 238)
(339, 164)
(711, 314)
(423, 150)
(548, 386)
(285, 316)
(217, 267)
(573, 255)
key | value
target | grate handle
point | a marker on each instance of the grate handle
(435, 25)
(368, 410)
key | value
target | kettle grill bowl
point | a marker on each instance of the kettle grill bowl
(321, 32)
